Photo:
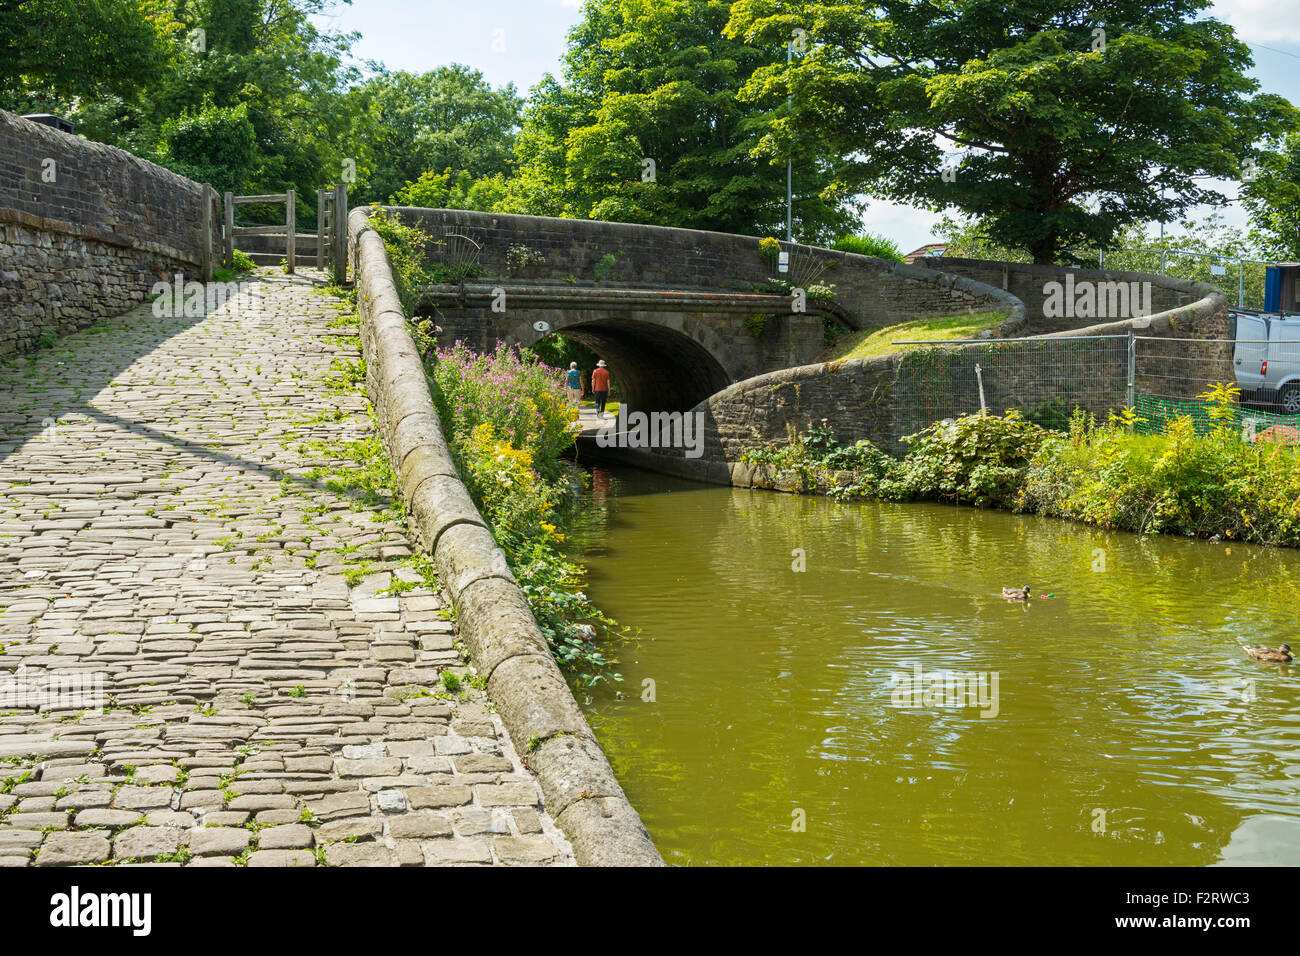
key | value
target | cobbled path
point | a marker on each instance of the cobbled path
(168, 537)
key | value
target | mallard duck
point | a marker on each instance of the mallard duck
(1261, 653)
(1020, 594)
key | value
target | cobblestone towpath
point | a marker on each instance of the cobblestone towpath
(217, 652)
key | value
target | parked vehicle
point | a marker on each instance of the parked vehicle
(1266, 359)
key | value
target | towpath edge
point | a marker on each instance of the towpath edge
(523, 681)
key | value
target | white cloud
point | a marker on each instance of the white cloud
(1270, 22)
(906, 225)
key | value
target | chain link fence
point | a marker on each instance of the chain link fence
(1174, 377)
(1047, 379)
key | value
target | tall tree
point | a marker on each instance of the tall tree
(646, 126)
(227, 67)
(448, 119)
(1272, 197)
(52, 51)
(1054, 121)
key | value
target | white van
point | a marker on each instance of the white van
(1266, 359)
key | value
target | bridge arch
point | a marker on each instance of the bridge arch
(662, 361)
(679, 314)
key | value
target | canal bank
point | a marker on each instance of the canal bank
(494, 622)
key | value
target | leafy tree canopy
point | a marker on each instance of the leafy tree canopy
(1060, 121)
(449, 118)
(646, 126)
(184, 83)
(447, 190)
(1272, 198)
(218, 145)
(52, 50)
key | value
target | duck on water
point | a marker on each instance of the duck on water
(1261, 653)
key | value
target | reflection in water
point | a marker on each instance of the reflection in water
(1131, 728)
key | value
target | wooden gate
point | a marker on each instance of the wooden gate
(331, 227)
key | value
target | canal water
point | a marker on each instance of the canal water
(776, 715)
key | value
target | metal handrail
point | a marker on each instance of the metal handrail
(1023, 338)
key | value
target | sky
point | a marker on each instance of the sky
(519, 41)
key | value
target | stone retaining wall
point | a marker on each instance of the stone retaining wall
(86, 230)
(540, 713)
(883, 398)
(1026, 282)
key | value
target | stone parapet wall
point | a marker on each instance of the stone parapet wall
(1177, 353)
(872, 292)
(86, 230)
(1026, 282)
(885, 397)
(504, 642)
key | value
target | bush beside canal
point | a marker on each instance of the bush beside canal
(507, 422)
(1102, 473)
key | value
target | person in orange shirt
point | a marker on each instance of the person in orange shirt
(600, 387)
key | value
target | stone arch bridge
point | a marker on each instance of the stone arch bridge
(679, 314)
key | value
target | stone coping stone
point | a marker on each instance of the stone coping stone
(524, 682)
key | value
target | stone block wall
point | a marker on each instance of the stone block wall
(886, 397)
(86, 229)
(1026, 282)
(873, 292)
(494, 622)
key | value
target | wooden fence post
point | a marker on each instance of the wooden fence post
(230, 231)
(340, 223)
(291, 226)
(205, 234)
(320, 229)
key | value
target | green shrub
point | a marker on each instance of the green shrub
(1175, 482)
(811, 461)
(976, 458)
(216, 145)
(869, 245)
(1108, 474)
(604, 268)
(1051, 414)
(243, 261)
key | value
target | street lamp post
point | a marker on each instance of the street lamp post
(789, 161)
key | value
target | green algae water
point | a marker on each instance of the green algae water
(768, 715)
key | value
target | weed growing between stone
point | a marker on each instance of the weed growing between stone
(1108, 474)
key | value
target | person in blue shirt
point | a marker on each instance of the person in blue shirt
(573, 382)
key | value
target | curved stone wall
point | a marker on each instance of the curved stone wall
(1027, 283)
(540, 713)
(877, 399)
